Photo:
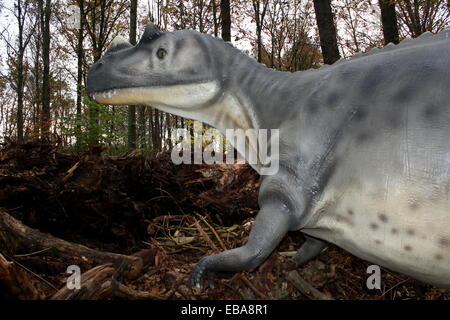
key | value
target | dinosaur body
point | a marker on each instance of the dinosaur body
(364, 144)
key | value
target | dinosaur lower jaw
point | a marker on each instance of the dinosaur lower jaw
(177, 96)
(122, 96)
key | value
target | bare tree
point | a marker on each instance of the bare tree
(260, 13)
(21, 13)
(45, 26)
(215, 20)
(419, 16)
(327, 31)
(225, 19)
(132, 109)
(80, 61)
(389, 21)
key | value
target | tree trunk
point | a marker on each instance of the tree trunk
(98, 282)
(161, 130)
(214, 12)
(93, 110)
(80, 73)
(156, 130)
(226, 19)
(389, 21)
(141, 125)
(16, 236)
(20, 77)
(259, 20)
(327, 31)
(45, 126)
(169, 121)
(20, 88)
(132, 109)
(37, 79)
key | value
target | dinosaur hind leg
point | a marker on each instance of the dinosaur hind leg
(309, 250)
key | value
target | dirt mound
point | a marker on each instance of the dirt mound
(111, 200)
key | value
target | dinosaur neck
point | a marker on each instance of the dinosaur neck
(254, 96)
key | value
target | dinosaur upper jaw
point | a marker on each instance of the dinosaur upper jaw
(177, 96)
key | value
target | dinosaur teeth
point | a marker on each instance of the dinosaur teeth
(108, 94)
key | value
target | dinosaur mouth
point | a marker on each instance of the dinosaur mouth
(117, 96)
(107, 94)
(128, 96)
(180, 96)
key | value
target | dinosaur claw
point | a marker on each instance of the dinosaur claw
(200, 274)
(210, 276)
(197, 278)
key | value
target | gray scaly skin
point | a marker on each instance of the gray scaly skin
(364, 143)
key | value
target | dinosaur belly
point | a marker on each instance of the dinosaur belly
(401, 225)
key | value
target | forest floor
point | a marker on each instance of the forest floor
(162, 218)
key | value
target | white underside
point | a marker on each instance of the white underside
(406, 229)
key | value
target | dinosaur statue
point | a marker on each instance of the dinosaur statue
(364, 158)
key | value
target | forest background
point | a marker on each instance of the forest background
(47, 47)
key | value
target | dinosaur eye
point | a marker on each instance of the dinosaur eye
(161, 53)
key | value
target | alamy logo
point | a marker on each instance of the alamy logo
(374, 281)
(74, 281)
(252, 145)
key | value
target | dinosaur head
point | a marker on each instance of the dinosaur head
(169, 70)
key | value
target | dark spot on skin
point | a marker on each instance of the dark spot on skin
(404, 95)
(312, 105)
(350, 212)
(363, 137)
(407, 248)
(394, 121)
(383, 217)
(371, 82)
(360, 115)
(312, 108)
(430, 112)
(438, 257)
(179, 45)
(394, 231)
(410, 232)
(444, 242)
(373, 226)
(333, 99)
(343, 219)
